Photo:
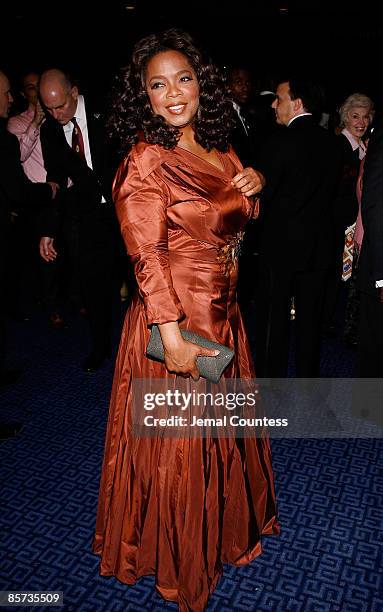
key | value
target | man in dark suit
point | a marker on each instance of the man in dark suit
(300, 166)
(15, 190)
(243, 137)
(244, 142)
(370, 266)
(76, 154)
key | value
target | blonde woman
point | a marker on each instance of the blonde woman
(356, 114)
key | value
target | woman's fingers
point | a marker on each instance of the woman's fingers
(249, 181)
(187, 366)
(205, 352)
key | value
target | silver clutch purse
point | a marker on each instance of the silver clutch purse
(210, 368)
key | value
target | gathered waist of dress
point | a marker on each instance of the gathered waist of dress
(195, 251)
(224, 255)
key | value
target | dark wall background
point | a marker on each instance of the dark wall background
(341, 43)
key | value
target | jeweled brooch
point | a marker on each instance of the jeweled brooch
(228, 255)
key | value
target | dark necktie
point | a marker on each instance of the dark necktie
(77, 139)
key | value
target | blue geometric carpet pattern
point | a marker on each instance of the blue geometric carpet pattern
(328, 557)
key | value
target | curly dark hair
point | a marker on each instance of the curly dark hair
(131, 111)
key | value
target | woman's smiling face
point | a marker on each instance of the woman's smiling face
(172, 87)
(357, 121)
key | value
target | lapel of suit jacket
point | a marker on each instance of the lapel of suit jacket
(95, 136)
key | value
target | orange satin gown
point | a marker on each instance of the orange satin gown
(178, 507)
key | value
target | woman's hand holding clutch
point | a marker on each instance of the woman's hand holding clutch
(180, 355)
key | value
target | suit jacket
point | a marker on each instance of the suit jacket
(244, 144)
(89, 185)
(301, 166)
(16, 190)
(370, 266)
(346, 201)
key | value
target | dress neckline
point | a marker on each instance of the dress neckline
(222, 170)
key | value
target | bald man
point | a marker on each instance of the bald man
(76, 155)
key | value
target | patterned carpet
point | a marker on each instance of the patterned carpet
(327, 559)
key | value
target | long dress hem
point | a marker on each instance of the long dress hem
(172, 593)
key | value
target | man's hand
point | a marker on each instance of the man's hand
(47, 250)
(249, 182)
(39, 115)
(54, 187)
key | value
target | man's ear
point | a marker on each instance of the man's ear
(298, 105)
(74, 92)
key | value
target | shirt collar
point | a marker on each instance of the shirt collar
(296, 117)
(79, 114)
(354, 143)
(236, 107)
(80, 110)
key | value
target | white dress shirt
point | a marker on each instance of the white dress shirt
(81, 120)
(238, 111)
(80, 115)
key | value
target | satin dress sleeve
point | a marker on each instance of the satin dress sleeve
(141, 210)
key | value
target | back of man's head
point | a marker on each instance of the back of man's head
(311, 93)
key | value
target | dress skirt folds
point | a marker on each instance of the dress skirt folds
(180, 507)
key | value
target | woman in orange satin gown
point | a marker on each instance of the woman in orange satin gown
(178, 508)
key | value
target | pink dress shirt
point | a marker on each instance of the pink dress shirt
(30, 146)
